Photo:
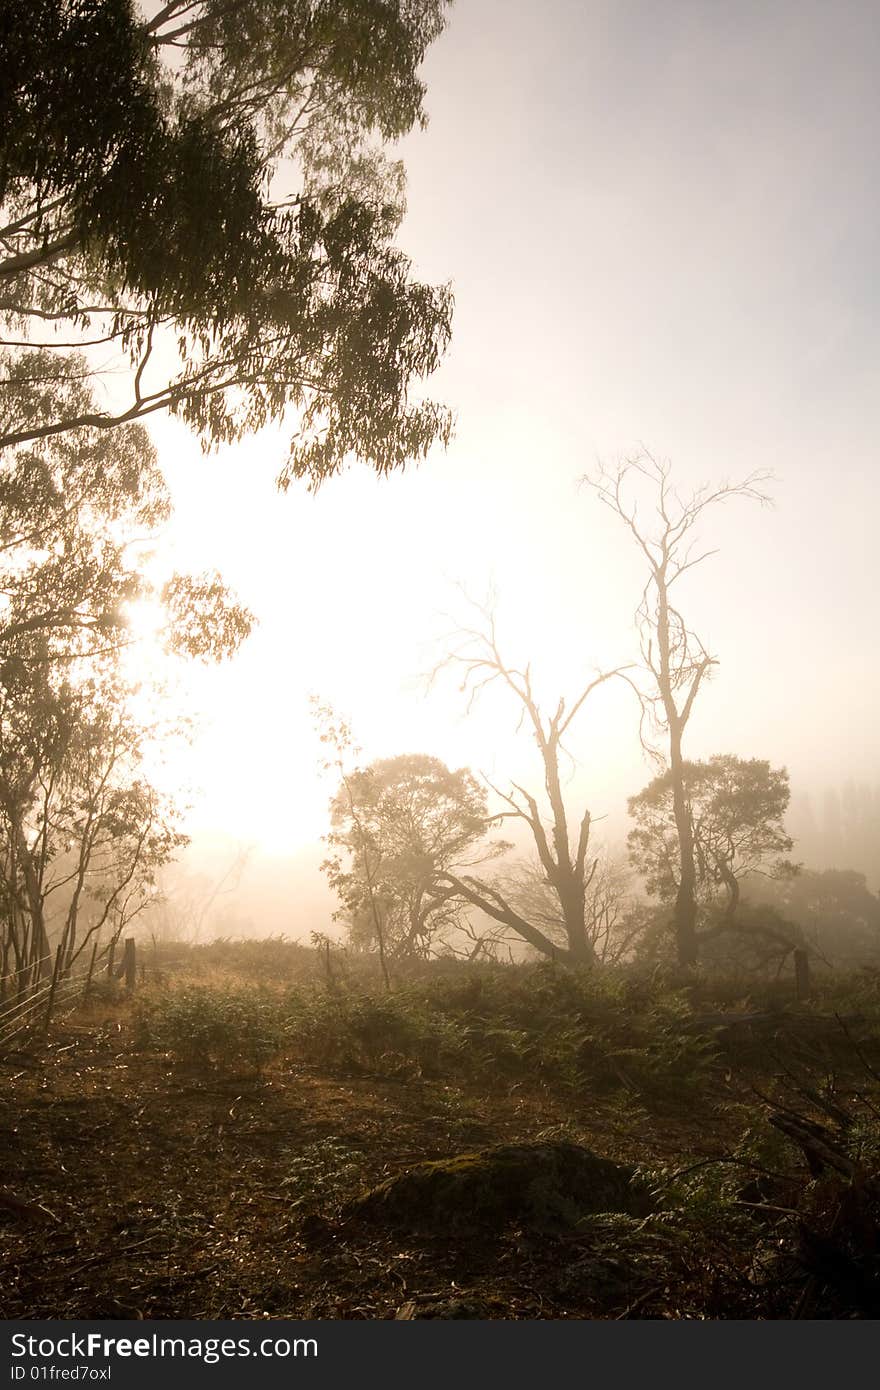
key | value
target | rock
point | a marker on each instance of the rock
(540, 1185)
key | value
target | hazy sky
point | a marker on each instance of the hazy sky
(661, 222)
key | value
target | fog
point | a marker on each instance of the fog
(659, 233)
(439, 869)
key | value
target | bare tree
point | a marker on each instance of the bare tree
(675, 659)
(184, 901)
(612, 917)
(564, 857)
(472, 940)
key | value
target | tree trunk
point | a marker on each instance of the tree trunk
(40, 952)
(483, 896)
(684, 918)
(567, 877)
(572, 898)
(685, 915)
(731, 883)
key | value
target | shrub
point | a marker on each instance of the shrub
(390, 1033)
(205, 1026)
(582, 1032)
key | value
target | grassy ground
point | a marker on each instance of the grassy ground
(193, 1152)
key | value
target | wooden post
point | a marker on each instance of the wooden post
(88, 983)
(111, 955)
(51, 1000)
(328, 966)
(129, 965)
(801, 973)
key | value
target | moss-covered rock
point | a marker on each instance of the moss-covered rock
(541, 1185)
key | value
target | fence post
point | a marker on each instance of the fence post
(51, 1000)
(111, 956)
(801, 973)
(129, 965)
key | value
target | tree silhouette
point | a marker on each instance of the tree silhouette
(142, 211)
(675, 660)
(564, 856)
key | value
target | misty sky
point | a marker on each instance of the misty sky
(661, 223)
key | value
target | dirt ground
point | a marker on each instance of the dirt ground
(133, 1188)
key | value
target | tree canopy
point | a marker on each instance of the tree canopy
(77, 513)
(403, 823)
(204, 189)
(736, 808)
(835, 908)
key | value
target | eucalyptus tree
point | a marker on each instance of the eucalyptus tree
(663, 525)
(835, 908)
(202, 188)
(399, 826)
(78, 512)
(83, 831)
(736, 808)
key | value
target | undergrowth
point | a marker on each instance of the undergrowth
(575, 1032)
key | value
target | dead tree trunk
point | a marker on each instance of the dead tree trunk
(675, 659)
(563, 859)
